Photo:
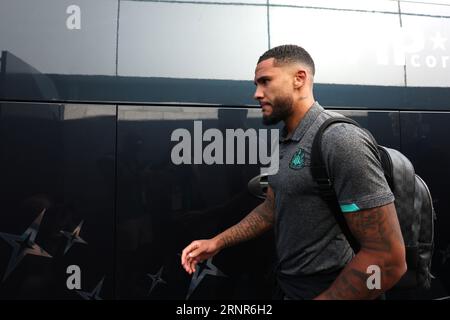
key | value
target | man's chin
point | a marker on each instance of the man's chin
(269, 121)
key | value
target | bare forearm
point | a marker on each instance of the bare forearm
(254, 224)
(354, 283)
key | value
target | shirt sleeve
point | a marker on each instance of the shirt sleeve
(352, 163)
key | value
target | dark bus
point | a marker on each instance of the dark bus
(93, 204)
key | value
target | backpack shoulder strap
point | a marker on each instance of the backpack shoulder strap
(320, 175)
(318, 168)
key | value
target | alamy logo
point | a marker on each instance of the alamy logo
(74, 279)
(415, 47)
(221, 150)
(374, 280)
(73, 22)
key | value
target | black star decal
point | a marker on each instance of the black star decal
(24, 244)
(203, 269)
(94, 295)
(73, 236)
(156, 279)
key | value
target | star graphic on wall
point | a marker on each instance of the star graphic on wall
(156, 279)
(438, 41)
(94, 295)
(445, 254)
(204, 268)
(24, 244)
(73, 237)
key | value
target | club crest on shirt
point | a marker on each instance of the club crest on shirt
(298, 160)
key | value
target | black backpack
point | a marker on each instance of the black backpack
(413, 204)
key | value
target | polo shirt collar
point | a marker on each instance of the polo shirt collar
(304, 124)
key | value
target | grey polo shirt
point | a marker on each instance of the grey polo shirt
(308, 238)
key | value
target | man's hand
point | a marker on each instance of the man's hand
(254, 224)
(198, 251)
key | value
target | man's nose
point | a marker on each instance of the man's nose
(258, 95)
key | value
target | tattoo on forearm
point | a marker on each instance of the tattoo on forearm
(378, 232)
(346, 285)
(371, 230)
(254, 224)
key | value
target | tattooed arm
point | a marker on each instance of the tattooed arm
(378, 232)
(258, 221)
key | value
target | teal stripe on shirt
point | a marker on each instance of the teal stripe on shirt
(349, 208)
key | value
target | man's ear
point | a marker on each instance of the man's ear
(300, 78)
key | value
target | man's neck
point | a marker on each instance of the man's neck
(300, 110)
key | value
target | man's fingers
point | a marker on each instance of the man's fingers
(184, 254)
(190, 265)
(193, 264)
(192, 259)
(194, 253)
(194, 245)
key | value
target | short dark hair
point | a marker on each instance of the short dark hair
(289, 53)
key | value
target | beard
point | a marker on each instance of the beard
(281, 110)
